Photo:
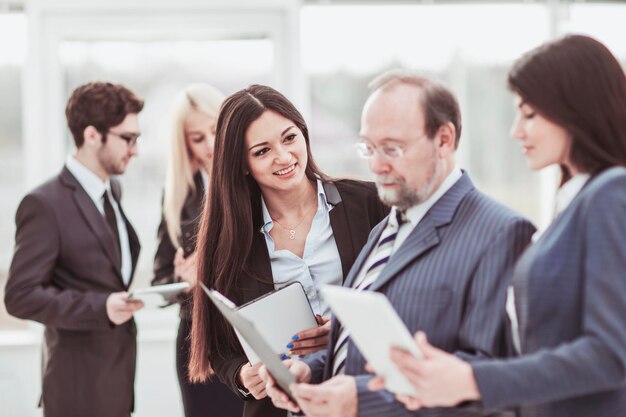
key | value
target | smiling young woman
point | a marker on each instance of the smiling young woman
(271, 217)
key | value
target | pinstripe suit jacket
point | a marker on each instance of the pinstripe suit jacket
(570, 293)
(449, 279)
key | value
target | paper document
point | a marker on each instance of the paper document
(374, 327)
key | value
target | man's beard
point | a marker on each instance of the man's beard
(110, 166)
(405, 198)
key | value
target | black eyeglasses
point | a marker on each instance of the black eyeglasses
(129, 138)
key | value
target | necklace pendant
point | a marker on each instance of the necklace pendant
(292, 234)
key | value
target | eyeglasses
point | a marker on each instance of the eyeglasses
(367, 150)
(129, 138)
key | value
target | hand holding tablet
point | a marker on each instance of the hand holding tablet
(374, 327)
(158, 295)
(255, 340)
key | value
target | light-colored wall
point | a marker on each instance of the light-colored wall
(156, 385)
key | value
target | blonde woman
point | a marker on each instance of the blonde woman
(190, 159)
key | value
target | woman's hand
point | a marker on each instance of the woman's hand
(185, 268)
(250, 379)
(280, 400)
(311, 340)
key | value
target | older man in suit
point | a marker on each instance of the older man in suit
(75, 255)
(443, 257)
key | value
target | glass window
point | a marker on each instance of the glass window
(157, 71)
(12, 58)
(468, 47)
(603, 21)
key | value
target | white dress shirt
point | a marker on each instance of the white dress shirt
(95, 187)
(320, 262)
(414, 215)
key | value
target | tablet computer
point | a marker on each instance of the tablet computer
(158, 295)
(278, 315)
(374, 327)
(247, 330)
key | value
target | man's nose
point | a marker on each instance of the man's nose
(133, 150)
(379, 164)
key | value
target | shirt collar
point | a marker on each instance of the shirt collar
(415, 214)
(322, 201)
(205, 178)
(568, 191)
(91, 183)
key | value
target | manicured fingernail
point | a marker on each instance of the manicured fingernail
(289, 345)
(295, 337)
(283, 356)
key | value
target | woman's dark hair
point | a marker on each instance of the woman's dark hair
(231, 215)
(578, 84)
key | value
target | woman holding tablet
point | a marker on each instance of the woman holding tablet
(194, 115)
(570, 285)
(271, 217)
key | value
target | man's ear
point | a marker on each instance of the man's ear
(446, 139)
(91, 136)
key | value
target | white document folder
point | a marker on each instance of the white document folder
(374, 327)
(248, 330)
(278, 316)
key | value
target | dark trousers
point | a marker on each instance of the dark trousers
(208, 399)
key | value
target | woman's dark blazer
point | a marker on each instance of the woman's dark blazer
(163, 266)
(356, 210)
(570, 296)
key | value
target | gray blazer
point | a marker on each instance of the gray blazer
(570, 293)
(64, 267)
(449, 279)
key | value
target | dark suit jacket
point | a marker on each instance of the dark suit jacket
(570, 294)
(163, 267)
(448, 279)
(356, 210)
(64, 267)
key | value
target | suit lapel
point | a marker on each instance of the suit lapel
(133, 239)
(260, 264)
(426, 234)
(94, 219)
(133, 243)
(365, 252)
(421, 239)
(341, 228)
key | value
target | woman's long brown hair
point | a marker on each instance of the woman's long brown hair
(578, 84)
(228, 220)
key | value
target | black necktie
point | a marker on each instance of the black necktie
(109, 214)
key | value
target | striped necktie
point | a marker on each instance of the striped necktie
(380, 257)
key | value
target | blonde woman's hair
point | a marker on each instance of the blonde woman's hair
(179, 175)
